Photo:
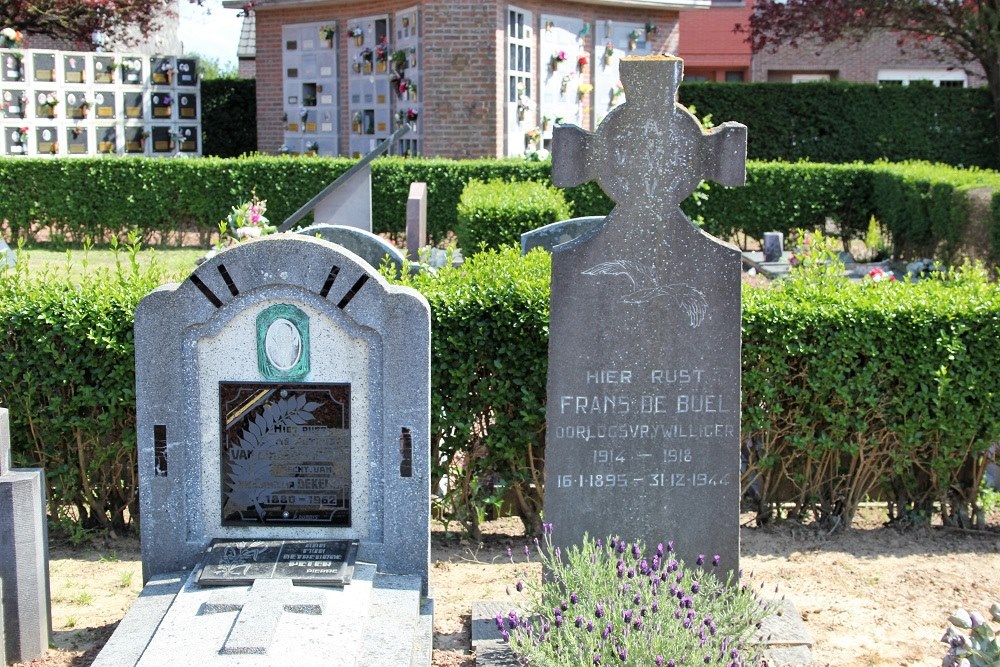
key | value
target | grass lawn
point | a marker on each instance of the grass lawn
(178, 262)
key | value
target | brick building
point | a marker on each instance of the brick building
(712, 51)
(708, 45)
(472, 77)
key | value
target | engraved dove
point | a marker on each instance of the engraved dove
(646, 287)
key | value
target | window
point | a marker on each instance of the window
(943, 78)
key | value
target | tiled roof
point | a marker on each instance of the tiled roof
(248, 36)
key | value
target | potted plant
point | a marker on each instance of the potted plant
(650, 31)
(357, 33)
(633, 40)
(400, 60)
(366, 60)
(581, 61)
(609, 53)
(328, 32)
(557, 57)
(564, 84)
(533, 136)
(356, 123)
(617, 95)
(583, 90)
(381, 55)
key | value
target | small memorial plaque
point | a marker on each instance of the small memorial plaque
(187, 72)
(77, 140)
(135, 140)
(13, 69)
(286, 454)
(162, 71)
(188, 105)
(74, 68)
(107, 139)
(311, 562)
(133, 105)
(104, 69)
(45, 67)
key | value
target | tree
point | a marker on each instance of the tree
(80, 21)
(963, 30)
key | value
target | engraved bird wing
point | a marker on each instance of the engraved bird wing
(691, 301)
(634, 271)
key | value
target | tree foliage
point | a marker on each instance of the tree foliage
(964, 30)
(82, 21)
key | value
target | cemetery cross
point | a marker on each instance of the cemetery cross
(643, 399)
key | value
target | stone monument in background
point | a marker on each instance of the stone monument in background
(643, 421)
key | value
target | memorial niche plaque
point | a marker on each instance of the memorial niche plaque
(312, 562)
(286, 454)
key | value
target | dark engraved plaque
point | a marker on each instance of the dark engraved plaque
(286, 453)
(311, 562)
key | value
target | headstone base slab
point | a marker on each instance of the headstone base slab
(378, 619)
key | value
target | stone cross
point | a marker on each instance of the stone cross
(643, 410)
(260, 608)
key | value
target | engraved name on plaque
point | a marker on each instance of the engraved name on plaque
(286, 453)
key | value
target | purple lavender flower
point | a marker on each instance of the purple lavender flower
(680, 576)
(622, 653)
(695, 587)
(700, 560)
(599, 611)
(574, 598)
(564, 606)
(590, 626)
(671, 663)
(578, 622)
(621, 568)
(558, 553)
(558, 621)
(659, 549)
(519, 586)
(600, 544)
(637, 599)
(708, 658)
(643, 612)
(597, 659)
(716, 559)
(655, 606)
(656, 562)
(687, 602)
(505, 636)
(547, 528)
(627, 615)
(499, 621)
(510, 554)
(687, 623)
(635, 551)
(670, 545)
(637, 624)
(606, 632)
(631, 573)
(644, 566)
(613, 543)
(658, 660)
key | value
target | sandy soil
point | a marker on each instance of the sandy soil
(870, 596)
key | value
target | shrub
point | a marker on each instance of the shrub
(588, 612)
(228, 117)
(495, 214)
(67, 376)
(844, 122)
(489, 354)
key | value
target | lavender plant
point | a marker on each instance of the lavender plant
(614, 602)
(979, 648)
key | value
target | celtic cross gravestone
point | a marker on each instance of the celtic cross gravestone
(644, 346)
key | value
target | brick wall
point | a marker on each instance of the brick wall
(463, 64)
(708, 44)
(852, 62)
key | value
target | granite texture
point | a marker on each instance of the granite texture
(553, 234)
(378, 620)
(362, 331)
(350, 204)
(370, 247)
(416, 220)
(4, 441)
(643, 416)
(24, 565)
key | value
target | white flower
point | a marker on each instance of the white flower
(9, 33)
(248, 232)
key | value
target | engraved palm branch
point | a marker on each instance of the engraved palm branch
(646, 287)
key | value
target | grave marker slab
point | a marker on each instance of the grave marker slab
(643, 420)
(24, 557)
(283, 416)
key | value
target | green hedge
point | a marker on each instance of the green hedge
(923, 206)
(495, 214)
(228, 117)
(878, 390)
(67, 375)
(847, 122)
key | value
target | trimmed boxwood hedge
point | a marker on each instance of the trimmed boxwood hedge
(849, 391)
(845, 122)
(495, 214)
(923, 206)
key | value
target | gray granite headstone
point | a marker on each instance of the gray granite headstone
(370, 247)
(563, 231)
(643, 413)
(774, 246)
(416, 221)
(24, 558)
(283, 392)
